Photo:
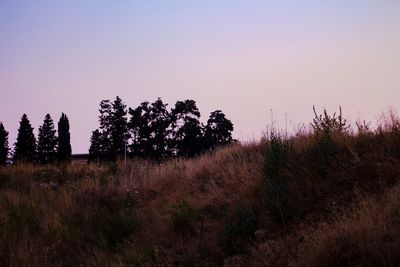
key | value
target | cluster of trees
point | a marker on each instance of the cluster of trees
(47, 149)
(154, 132)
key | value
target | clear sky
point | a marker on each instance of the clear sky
(244, 57)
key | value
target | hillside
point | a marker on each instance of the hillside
(302, 201)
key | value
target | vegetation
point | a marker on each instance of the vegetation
(47, 141)
(262, 204)
(64, 139)
(25, 147)
(4, 149)
(156, 133)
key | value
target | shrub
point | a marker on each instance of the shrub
(239, 230)
(277, 197)
(325, 127)
(183, 216)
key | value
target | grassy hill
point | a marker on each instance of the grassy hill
(324, 198)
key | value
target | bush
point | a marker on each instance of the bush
(239, 230)
(277, 197)
(183, 216)
(325, 127)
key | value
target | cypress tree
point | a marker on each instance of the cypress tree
(4, 149)
(25, 147)
(47, 141)
(64, 139)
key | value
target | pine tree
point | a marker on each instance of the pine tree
(4, 149)
(187, 132)
(140, 130)
(113, 133)
(160, 121)
(64, 139)
(218, 130)
(95, 150)
(25, 147)
(47, 141)
(118, 128)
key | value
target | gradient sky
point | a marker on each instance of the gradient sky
(244, 57)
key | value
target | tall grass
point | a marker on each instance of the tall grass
(265, 204)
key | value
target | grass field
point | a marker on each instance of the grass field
(322, 203)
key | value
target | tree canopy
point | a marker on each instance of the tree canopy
(25, 147)
(64, 139)
(47, 141)
(155, 132)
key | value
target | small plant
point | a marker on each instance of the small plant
(183, 217)
(325, 126)
(276, 160)
(239, 230)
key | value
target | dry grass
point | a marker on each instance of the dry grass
(201, 211)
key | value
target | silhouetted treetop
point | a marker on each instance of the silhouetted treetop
(64, 139)
(4, 149)
(47, 141)
(25, 147)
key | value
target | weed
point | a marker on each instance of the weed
(277, 197)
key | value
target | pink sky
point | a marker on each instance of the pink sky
(244, 57)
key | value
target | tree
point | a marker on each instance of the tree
(95, 150)
(140, 130)
(218, 130)
(160, 121)
(47, 141)
(64, 139)
(113, 133)
(25, 147)
(4, 149)
(118, 128)
(187, 132)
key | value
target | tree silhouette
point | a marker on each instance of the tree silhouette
(47, 141)
(25, 147)
(64, 139)
(118, 128)
(187, 132)
(4, 149)
(140, 130)
(218, 130)
(160, 121)
(95, 150)
(113, 132)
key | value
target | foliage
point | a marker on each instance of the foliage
(47, 141)
(325, 127)
(239, 230)
(64, 139)
(183, 215)
(110, 140)
(277, 196)
(4, 149)
(25, 147)
(187, 132)
(218, 131)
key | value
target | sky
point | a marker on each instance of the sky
(243, 57)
